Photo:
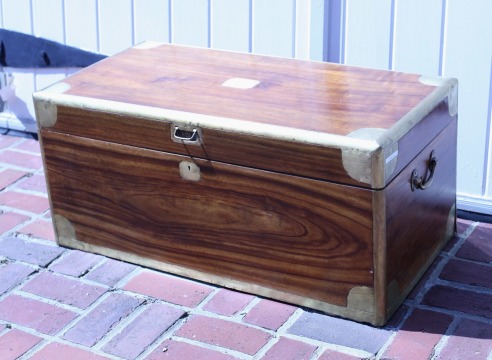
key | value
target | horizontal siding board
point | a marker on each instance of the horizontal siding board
(467, 56)
(417, 36)
(190, 22)
(115, 26)
(48, 19)
(81, 28)
(151, 20)
(230, 25)
(274, 27)
(368, 33)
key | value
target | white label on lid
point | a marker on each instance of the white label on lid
(239, 83)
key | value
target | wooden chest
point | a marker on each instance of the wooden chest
(323, 185)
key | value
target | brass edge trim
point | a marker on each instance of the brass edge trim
(451, 224)
(46, 113)
(209, 121)
(360, 165)
(446, 88)
(354, 314)
(388, 141)
(361, 298)
(45, 109)
(446, 82)
(63, 227)
(357, 164)
(379, 255)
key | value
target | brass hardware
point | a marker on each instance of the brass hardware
(186, 134)
(418, 182)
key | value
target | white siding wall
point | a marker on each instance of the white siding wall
(432, 37)
(275, 27)
(452, 38)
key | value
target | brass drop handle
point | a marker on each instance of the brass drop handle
(418, 182)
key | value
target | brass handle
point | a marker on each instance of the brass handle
(418, 182)
(185, 135)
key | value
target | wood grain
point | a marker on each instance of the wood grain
(296, 235)
(315, 96)
(310, 161)
(417, 221)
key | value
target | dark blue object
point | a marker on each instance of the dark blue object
(20, 50)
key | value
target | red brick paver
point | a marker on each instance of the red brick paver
(467, 272)
(288, 349)
(94, 325)
(9, 220)
(59, 304)
(467, 301)
(29, 146)
(420, 333)
(15, 343)
(335, 355)
(57, 351)
(470, 340)
(227, 302)
(269, 314)
(33, 183)
(170, 350)
(64, 290)
(143, 330)
(76, 263)
(12, 274)
(29, 252)
(28, 161)
(27, 202)
(6, 141)
(34, 314)
(478, 245)
(223, 333)
(110, 272)
(9, 176)
(169, 288)
(40, 229)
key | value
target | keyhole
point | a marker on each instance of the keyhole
(189, 171)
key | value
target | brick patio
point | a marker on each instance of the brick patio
(57, 303)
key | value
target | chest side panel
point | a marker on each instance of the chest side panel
(421, 221)
(422, 134)
(299, 236)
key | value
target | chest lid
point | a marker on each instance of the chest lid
(350, 122)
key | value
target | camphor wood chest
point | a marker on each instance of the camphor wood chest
(323, 185)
